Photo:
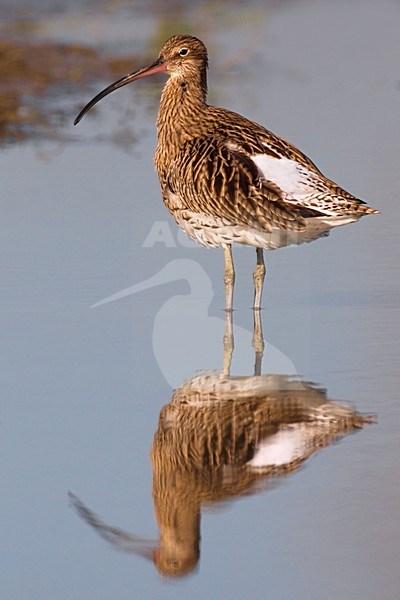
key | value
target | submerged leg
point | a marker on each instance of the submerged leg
(228, 345)
(258, 278)
(258, 341)
(229, 276)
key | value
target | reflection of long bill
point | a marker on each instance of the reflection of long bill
(125, 542)
(159, 66)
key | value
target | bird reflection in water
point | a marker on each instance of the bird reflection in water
(223, 437)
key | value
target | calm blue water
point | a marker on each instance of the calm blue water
(82, 388)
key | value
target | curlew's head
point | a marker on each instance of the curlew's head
(182, 56)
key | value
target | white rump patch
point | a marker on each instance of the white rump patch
(291, 177)
(279, 449)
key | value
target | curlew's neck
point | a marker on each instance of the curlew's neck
(182, 107)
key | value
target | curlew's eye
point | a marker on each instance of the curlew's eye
(183, 51)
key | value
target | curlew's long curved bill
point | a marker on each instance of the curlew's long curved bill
(159, 66)
(122, 540)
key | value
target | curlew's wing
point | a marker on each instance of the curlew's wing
(216, 178)
(301, 183)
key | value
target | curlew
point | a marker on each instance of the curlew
(218, 440)
(226, 179)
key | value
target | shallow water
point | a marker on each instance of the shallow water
(82, 387)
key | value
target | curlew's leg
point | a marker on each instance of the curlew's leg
(228, 345)
(258, 278)
(258, 341)
(229, 276)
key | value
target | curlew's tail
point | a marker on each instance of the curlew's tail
(363, 209)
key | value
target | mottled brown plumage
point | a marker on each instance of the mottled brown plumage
(226, 179)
